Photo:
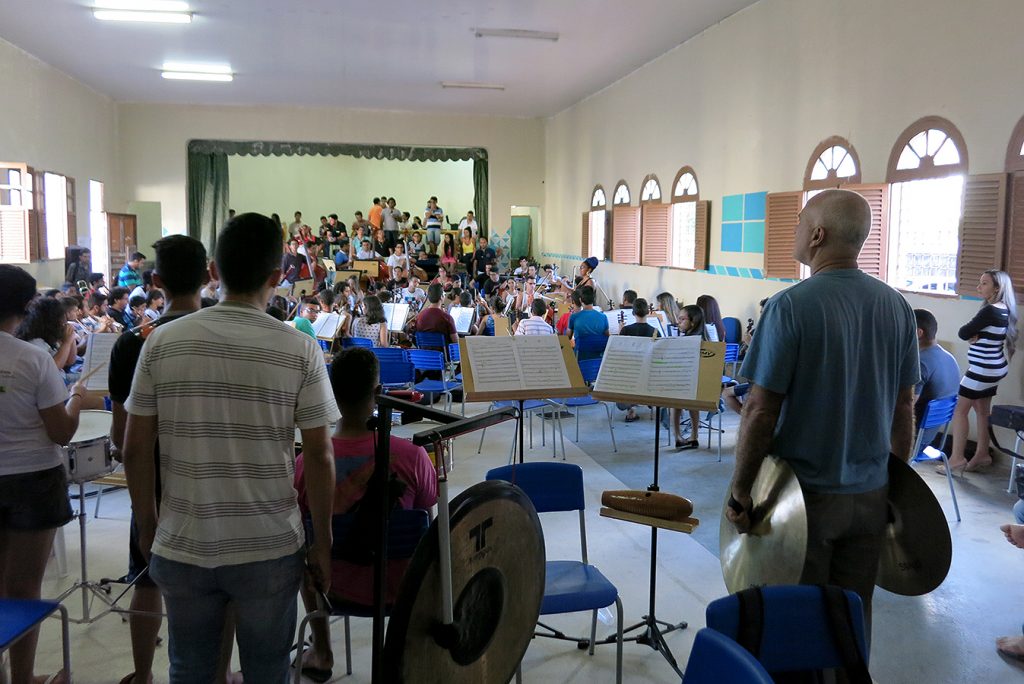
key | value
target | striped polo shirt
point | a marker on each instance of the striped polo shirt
(228, 385)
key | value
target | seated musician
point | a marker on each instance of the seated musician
(587, 321)
(417, 250)
(485, 318)
(412, 292)
(399, 259)
(292, 263)
(483, 257)
(526, 297)
(548, 279)
(628, 298)
(641, 328)
(355, 378)
(562, 324)
(398, 278)
(435, 319)
(524, 264)
(535, 324)
(365, 250)
(489, 286)
(308, 312)
(380, 244)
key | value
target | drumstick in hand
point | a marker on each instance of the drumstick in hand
(91, 373)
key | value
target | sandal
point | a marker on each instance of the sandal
(684, 445)
(632, 419)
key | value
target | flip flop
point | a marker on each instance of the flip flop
(691, 444)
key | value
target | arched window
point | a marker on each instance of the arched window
(833, 163)
(688, 223)
(685, 186)
(927, 168)
(1014, 261)
(650, 189)
(621, 195)
(595, 226)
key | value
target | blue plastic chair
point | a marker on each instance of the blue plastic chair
(18, 617)
(590, 346)
(733, 329)
(396, 370)
(717, 659)
(432, 340)
(589, 369)
(796, 634)
(364, 342)
(569, 586)
(530, 407)
(455, 358)
(428, 360)
(405, 529)
(937, 413)
(732, 355)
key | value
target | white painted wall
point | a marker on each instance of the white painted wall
(54, 123)
(746, 102)
(154, 137)
(318, 186)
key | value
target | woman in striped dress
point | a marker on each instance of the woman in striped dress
(993, 336)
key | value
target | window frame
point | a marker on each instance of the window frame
(629, 194)
(832, 179)
(927, 170)
(682, 199)
(643, 184)
(593, 194)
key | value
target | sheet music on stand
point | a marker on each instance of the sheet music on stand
(656, 323)
(463, 316)
(326, 326)
(395, 313)
(97, 353)
(520, 367)
(618, 319)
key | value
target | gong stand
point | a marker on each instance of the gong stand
(451, 426)
(653, 630)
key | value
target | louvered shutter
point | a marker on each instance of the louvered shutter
(783, 214)
(626, 235)
(873, 258)
(982, 220)
(585, 243)
(14, 240)
(37, 218)
(72, 214)
(655, 235)
(702, 234)
(1014, 264)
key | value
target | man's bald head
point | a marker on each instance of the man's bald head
(845, 216)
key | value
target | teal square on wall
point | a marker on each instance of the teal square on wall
(732, 237)
(753, 236)
(732, 208)
(754, 206)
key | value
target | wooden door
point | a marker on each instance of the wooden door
(123, 236)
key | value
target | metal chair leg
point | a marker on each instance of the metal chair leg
(99, 497)
(611, 429)
(1013, 463)
(593, 632)
(618, 642)
(482, 433)
(949, 479)
(348, 647)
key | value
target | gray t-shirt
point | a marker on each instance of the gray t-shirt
(840, 346)
(940, 377)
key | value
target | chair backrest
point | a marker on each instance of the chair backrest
(717, 659)
(454, 355)
(426, 359)
(590, 346)
(432, 340)
(347, 342)
(938, 412)
(390, 355)
(733, 329)
(732, 352)
(589, 368)
(550, 486)
(405, 529)
(397, 373)
(796, 633)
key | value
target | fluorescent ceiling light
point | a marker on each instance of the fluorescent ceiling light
(154, 17)
(472, 85)
(196, 76)
(198, 68)
(143, 5)
(516, 33)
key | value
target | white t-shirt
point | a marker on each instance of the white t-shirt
(230, 384)
(712, 332)
(417, 294)
(29, 381)
(463, 224)
(396, 260)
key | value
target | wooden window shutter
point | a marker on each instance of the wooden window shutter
(626, 235)
(72, 220)
(982, 220)
(702, 235)
(585, 244)
(873, 258)
(14, 232)
(654, 234)
(1014, 264)
(37, 218)
(783, 214)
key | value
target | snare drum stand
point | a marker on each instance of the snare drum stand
(654, 630)
(88, 588)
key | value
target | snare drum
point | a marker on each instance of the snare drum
(87, 456)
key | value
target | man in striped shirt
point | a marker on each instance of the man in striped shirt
(225, 388)
(535, 324)
(129, 275)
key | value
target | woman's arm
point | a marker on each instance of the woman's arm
(985, 317)
(382, 334)
(66, 352)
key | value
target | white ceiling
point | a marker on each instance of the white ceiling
(388, 54)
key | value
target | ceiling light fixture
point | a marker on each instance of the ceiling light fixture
(154, 11)
(178, 71)
(472, 85)
(143, 5)
(517, 33)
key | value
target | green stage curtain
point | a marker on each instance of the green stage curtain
(480, 188)
(207, 195)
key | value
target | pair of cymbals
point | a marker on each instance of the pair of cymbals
(916, 550)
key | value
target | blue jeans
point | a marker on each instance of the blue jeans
(264, 596)
(1018, 511)
(433, 235)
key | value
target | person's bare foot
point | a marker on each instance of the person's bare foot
(1014, 534)
(1011, 646)
(317, 660)
(978, 463)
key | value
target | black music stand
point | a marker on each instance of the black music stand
(654, 630)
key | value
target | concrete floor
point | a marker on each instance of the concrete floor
(946, 636)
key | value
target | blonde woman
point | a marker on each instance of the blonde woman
(993, 336)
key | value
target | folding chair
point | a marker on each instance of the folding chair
(432, 340)
(589, 370)
(405, 529)
(569, 586)
(938, 413)
(428, 360)
(733, 329)
(364, 342)
(717, 659)
(590, 346)
(530, 407)
(18, 617)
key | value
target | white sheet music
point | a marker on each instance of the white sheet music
(463, 316)
(526, 362)
(618, 319)
(540, 361)
(97, 353)
(326, 325)
(656, 323)
(395, 313)
(494, 369)
(639, 366)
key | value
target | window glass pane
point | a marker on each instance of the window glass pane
(935, 140)
(651, 190)
(820, 171)
(621, 195)
(1022, 148)
(684, 228)
(56, 210)
(98, 239)
(686, 185)
(14, 177)
(926, 218)
(598, 200)
(919, 143)
(947, 154)
(846, 167)
(908, 159)
(597, 226)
